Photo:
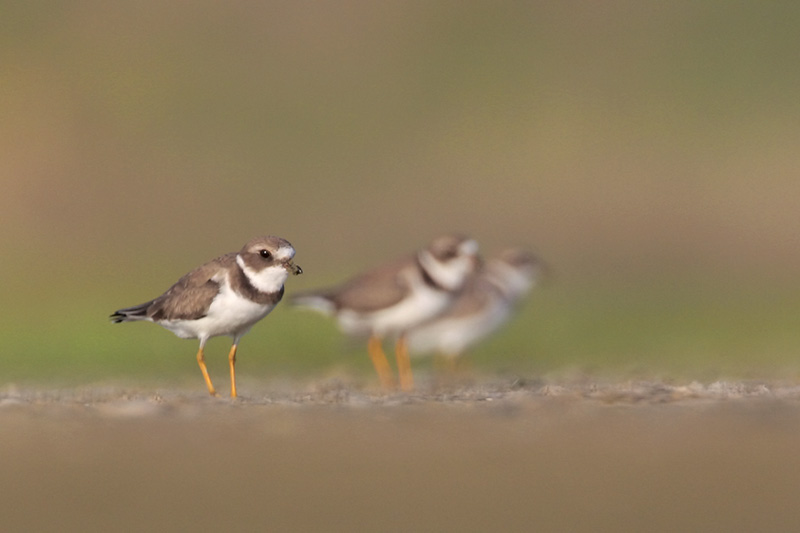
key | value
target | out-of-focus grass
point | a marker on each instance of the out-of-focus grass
(646, 330)
(699, 331)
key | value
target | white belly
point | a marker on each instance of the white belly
(453, 335)
(229, 314)
(422, 304)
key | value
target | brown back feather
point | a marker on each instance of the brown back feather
(191, 296)
(374, 290)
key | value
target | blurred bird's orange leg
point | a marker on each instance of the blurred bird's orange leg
(447, 363)
(202, 362)
(403, 364)
(380, 362)
(232, 362)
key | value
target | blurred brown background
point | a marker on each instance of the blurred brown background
(647, 151)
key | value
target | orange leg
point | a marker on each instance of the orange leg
(403, 364)
(202, 362)
(448, 368)
(380, 362)
(232, 362)
(447, 363)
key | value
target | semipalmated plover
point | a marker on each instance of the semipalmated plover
(486, 302)
(393, 298)
(226, 296)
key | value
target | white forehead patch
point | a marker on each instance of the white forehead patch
(284, 253)
(469, 247)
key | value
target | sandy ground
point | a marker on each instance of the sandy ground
(498, 456)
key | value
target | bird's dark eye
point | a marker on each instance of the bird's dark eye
(265, 254)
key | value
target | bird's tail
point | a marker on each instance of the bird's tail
(129, 314)
(314, 301)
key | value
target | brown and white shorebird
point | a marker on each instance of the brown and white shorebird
(394, 298)
(486, 302)
(225, 296)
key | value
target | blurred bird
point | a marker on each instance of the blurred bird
(225, 296)
(394, 298)
(486, 302)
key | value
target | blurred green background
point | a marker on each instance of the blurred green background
(646, 150)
